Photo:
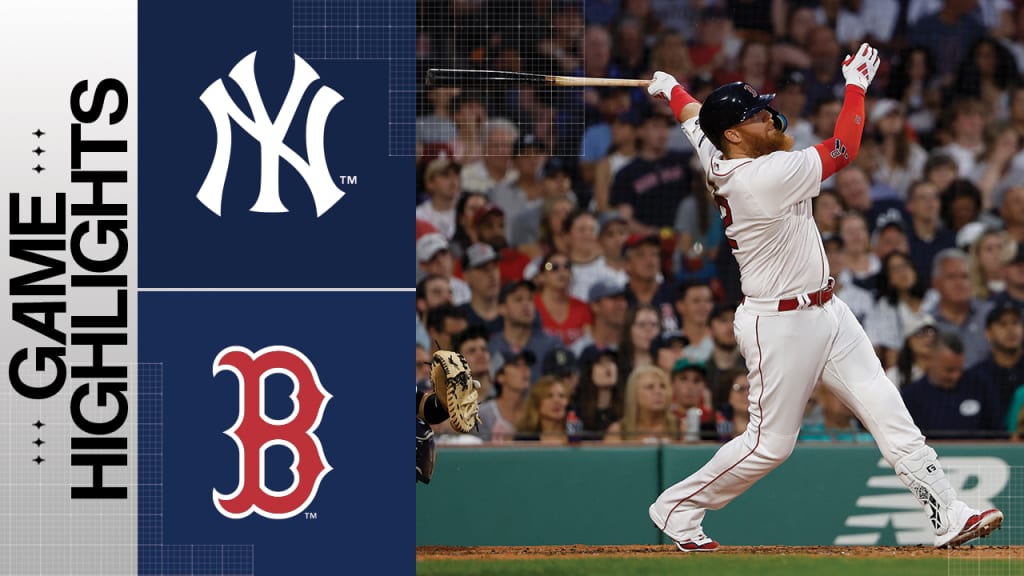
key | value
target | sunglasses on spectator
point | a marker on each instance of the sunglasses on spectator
(555, 266)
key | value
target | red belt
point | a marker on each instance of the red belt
(818, 298)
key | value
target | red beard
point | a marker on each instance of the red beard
(774, 141)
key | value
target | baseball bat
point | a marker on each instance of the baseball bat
(448, 77)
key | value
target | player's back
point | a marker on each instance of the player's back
(765, 204)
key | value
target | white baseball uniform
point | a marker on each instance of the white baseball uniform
(765, 205)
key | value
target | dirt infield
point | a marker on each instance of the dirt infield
(528, 552)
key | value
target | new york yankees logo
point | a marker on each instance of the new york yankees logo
(270, 134)
(254, 432)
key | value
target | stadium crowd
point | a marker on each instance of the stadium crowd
(567, 245)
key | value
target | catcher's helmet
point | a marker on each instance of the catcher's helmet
(731, 104)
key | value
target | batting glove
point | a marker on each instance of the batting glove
(661, 86)
(860, 69)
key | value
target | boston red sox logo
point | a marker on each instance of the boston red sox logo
(254, 432)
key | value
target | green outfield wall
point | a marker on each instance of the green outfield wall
(822, 495)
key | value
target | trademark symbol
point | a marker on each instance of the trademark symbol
(349, 179)
(310, 515)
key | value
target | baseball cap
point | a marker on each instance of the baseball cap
(1002, 309)
(635, 240)
(484, 211)
(527, 142)
(439, 165)
(555, 166)
(722, 308)
(688, 364)
(604, 289)
(667, 339)
(917, 323)
(883, 108)
(592, 354)
(429, 245)
(793, 77)
(607, 218)
(525, 355)
(512, 287)
(478, 255)
(560, 362)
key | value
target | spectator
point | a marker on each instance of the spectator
(435, 258)
(639, 331)
(588, 265)
(912, 83)
(858, 193)
(608, 309)
(647, 191)
(861, 263)
(790, 101)
(824, 115)
(825, 81)
(828, 207)
(469, 114)
(948, 35)
(699, 232)
(423, 383)
(646, 284)
(690, 390)
(520, 331)
(915, 353)
(667, 348)
(431, 292)
(512, 384)
(441, 180)
(714, 43)
(890, 235)
(465, 209)
(601, 392)
(987, 73)
(872, 21)
(956, 311)
(612, 233)
(968, 129)
(480, 269)
(496, 165)
(941, 169)
(630, 55)
(1013, 274)
(943, 404)
(472, 344)
(646, 415)
(753, 66)
(901, 295)
(860, 301)
(443, 323)
(561, 315)
(694, 303)
(961, 205)
(525, 192)
(550, 235)
(895, 159)
(990, 252)
(543, 417)
(613, 103)
(489, 223)
(725, 354)
(528, 233)
(1004, 367)
(733, 404)
(926, 235)
(670, 54)
(1000, 167)
(1012, 213)
(837, 423)
(562, 364)
(438, 127)
(622, 151)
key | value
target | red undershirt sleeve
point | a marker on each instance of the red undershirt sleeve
(837, 152)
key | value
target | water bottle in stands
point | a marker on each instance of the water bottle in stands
(573, 427)
(692, 433)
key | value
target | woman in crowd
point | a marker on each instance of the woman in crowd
(544, 416)
(647, 416)
(642, 326)
(861, 262)
(896, 159)
(989, 253)
(560, 313)
(914, 355)
(900, 303)
(827, 208)
(601, 392)
(731, 398)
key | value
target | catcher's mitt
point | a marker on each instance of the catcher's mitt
(455, 387)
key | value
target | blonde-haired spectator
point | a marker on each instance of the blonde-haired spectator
(647, 415)
(543, 418)
(989, 254)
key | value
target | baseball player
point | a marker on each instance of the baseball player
(790, 327)
(454, 399)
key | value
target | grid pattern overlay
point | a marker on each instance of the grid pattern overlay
(1004, 549)
(382, 30)
(155, 557)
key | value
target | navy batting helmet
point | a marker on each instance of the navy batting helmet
(731, 104)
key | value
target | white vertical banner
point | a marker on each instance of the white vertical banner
(68, 341)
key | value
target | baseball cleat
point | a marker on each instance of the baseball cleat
(978, 525)
(699, 543)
